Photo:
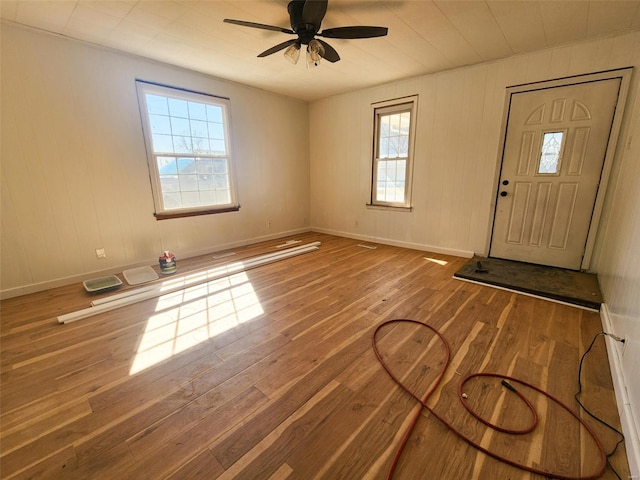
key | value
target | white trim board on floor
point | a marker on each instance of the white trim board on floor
(190, 279)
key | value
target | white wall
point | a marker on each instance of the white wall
(74, 171)
(617, 261)
(456, 157)
(455, 176)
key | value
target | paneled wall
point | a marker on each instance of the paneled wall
(456, 154)
(455, 175)
(617, 260)
(74, 171)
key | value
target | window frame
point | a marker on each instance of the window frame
(161, 212)
(381, 109)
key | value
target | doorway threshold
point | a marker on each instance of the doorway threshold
(558, 284)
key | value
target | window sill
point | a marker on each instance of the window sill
(392, 208)
(167, 216)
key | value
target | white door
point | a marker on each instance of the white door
(554, 150)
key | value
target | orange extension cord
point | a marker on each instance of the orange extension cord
(505, 381)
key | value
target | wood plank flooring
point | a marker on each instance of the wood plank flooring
(270, 374)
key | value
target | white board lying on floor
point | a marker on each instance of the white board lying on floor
(175, 284)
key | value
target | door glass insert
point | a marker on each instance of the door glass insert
(550, 153)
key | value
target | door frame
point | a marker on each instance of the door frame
(624, 74)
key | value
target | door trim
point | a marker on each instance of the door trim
(624, 74)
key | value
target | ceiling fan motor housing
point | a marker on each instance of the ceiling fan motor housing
(305, 31)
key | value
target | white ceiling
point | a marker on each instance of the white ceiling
(425, 36)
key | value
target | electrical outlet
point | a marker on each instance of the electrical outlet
(100, 253)
(269, 224)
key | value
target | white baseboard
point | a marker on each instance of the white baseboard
(397, 243)
(627, 419)
(60, 282)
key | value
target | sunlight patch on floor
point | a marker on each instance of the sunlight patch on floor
(435, 260)
(188, 317)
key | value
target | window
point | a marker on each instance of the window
(551, 153)
(394, 132)
(188, 150)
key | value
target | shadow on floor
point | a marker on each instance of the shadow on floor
(577, 288)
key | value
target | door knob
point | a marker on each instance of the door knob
(505, 182)
(503, 194)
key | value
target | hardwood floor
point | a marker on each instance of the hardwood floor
(270, 374)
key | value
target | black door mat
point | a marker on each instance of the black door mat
(576, 288)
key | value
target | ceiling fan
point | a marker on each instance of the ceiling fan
(306, 17)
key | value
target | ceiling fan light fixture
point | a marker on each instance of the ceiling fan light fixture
(305, 17)
(292, 53)
(315, 52)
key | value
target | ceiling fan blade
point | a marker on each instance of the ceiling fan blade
(354, 32)
(242, 23)
(313, 12)
(330, 53)
(277, 48)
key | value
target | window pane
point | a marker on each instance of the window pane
(221, 182)
(200, 145)
(172, 200)
(167, 165)
(188, 183)
(550, 152)
(197, 111)
(162, 143)
(384, 126)
(391, 171)
(157, 104)
(180, 126)
(214, 113)
(190, 199)
(403, 147)
(382, 169)
(182, 144)
(393, 147)
(204, 165)
(170, 183)
(223, 197)
(178, 108)
(199, 129)
(205, 182)
(405, 122)
(389, 193)
(186, 165)
(207, 197)
(160, 124)
(383, 148)
(216, 130)
(401, 170)
(220, 165)
(218, 147)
